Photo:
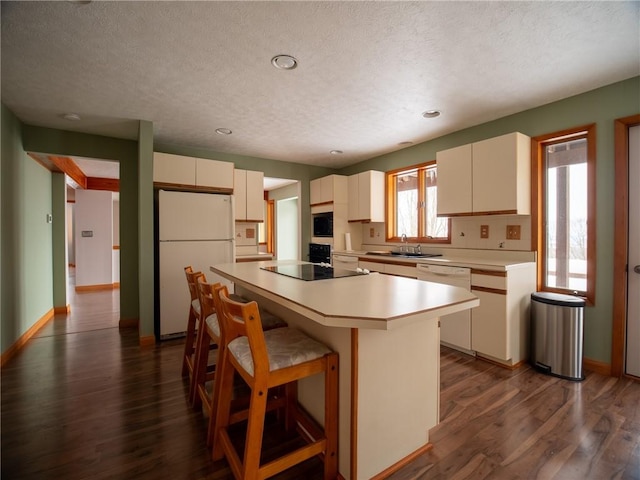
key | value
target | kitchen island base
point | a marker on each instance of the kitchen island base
(389, 388)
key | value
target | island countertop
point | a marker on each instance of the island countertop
(373, 301)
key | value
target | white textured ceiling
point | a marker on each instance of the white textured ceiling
(367, 70)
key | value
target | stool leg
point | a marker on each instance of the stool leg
(222, 395)
(331, 417)
(255, 430)
(188, 342)
(200, 364)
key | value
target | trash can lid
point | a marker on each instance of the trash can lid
(558, 299)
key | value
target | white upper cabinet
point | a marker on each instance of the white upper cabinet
(179, 170)
(175, 169)
(248, 191)
(329, 189)
(454, 181)
(214, 173)
(502, 175)
(366, 197)
(486, 178)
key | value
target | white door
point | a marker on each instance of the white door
(633, 278)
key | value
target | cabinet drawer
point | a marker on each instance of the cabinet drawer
(497, 281)
(372, 266)
(411, 272)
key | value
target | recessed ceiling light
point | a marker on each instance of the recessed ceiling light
(72, 117)
(431, 114)
(284, 62)
(404, 144)
(223, 131)
(336, 152)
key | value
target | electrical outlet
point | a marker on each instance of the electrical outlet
(513, 232)
(484, 231)
(372, 232)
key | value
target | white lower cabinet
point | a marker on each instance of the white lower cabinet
(489, 332)
(500, 324)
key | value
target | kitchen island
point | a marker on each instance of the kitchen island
(386, 331)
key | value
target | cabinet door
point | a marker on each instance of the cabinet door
(454, 181)
(326, 189)
(214, 174)
(255, 196)
(501, 174)
(240, 193)
(315, 191)
(374, 196)
(174, 169)
(353, 198)
(489, 328)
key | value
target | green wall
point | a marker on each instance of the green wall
(602, 107)
(145, 228)
(26, 252)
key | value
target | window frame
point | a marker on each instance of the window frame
(390, 205)
(538, 204)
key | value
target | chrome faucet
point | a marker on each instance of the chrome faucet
(418, 249)
(403, 239)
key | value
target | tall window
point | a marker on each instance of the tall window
(566, 219)
(412, 206)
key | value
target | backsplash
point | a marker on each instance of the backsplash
(466, 233)
(246, 238)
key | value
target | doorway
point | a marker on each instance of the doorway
(287, 229)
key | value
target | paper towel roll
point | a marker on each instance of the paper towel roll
(347, 241)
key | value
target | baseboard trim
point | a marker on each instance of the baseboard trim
(25, 337)
(62, 310)
(116, 285)
(500, 363)
(94, 288)
(406, 460)
(596, 366)
(148, 341)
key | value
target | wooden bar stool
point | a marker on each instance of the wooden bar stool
(209, 336)
(265, 360)
(192, 321)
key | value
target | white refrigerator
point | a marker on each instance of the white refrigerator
(196, 229)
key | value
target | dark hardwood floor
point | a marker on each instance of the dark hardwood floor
(82, 400)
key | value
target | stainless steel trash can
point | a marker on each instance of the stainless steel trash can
(557, 334)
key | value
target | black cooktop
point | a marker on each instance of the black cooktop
(311, 271)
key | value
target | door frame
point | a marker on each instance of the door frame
(621, 250)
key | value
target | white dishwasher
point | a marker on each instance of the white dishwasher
(346, 262)
(455, 329)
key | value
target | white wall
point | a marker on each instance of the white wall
(94, 213)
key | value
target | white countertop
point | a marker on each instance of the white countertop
(372, 301)
(478, 262)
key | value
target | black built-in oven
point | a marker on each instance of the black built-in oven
(320, 253)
